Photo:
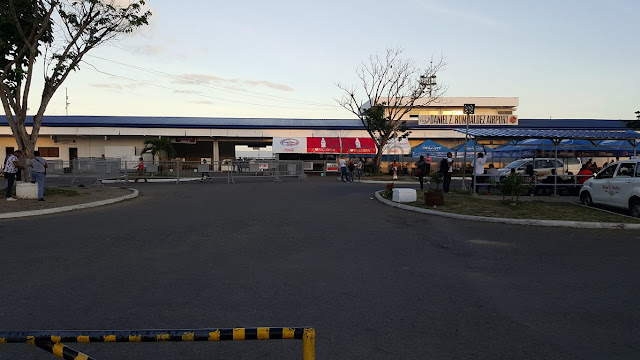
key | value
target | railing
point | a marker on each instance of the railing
(124, 171)
(51, 341)
(550, 184)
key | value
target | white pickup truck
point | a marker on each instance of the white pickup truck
(617, 185)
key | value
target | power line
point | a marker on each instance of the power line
(191, 92)
(229, 89)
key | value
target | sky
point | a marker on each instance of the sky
(282, 59)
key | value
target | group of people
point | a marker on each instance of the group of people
(423, 168)
(350, 170)
(12, 169)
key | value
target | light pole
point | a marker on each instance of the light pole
(468, 109)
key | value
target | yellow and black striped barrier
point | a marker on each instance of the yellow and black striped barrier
(52, 340)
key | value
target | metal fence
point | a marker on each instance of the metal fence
(51, 341)
(96, 171)
(551, 185)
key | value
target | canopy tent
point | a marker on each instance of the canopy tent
(538, 147)
(555, 136)
(430, 147)
(620, 147)
(472, 148)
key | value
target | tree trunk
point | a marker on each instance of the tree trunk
(377, 160)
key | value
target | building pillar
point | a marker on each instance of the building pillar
(216, 152)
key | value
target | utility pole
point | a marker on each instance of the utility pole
(67, 103)
(468, 109)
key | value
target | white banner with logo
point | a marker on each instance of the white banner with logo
(294, 145)
(397, 147)
(473, 120)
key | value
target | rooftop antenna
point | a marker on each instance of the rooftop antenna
(67, 103)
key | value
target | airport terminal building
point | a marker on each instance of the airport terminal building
(218, 139)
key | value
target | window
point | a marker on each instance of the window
(608, 172)
(505, 112)
(49, 151)
(626, 170)
(413, 116)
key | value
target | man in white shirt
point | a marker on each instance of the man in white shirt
(478, 167)
(343, 169)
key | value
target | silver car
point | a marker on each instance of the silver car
(543, 166)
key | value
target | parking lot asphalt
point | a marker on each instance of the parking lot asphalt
(376, 282)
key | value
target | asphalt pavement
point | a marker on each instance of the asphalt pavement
(376, 282)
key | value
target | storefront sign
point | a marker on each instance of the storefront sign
(292, 145)
(332, 167)
(473, 120)
(358, 146)
(325, 145)
(183, 140)
(397, 147)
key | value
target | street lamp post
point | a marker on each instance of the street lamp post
(468, 109)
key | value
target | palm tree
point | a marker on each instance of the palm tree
(157, 146)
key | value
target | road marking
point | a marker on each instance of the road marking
(490, 243)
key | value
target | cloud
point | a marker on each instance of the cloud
(467, 15)
(108, 86)
(118, 87)
(211, 79)
(150, 50)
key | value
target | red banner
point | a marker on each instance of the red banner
(327, 145)
(358, 146)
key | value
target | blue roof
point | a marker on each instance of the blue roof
(275, 123)
(550, 134)
(197, 122)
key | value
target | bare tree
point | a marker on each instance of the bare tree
(389, 88)
(65, 30)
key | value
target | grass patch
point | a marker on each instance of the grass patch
(539, 210)
(60, 191)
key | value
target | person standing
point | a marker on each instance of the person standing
(394, 169)
(421, 168)
(38, 172)
(343, 170)
(427, 161)
(205, 173)
(359, 167)
(140, 168)
(351, 168)
(446, 169)
(11, 168)
(478, 168)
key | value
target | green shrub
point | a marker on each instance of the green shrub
(436, 178)
(513, 186)
(388, 191)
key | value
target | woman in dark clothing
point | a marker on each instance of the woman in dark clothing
(421, 166)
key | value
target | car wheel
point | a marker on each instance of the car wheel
(635, 208)
(585, 199)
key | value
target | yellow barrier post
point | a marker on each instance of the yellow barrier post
(309, 344)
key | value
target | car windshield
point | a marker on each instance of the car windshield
(515, 164)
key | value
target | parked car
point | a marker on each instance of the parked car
(543, 166)
(617, 185)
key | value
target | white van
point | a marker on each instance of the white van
(543, 166)
(617, 185)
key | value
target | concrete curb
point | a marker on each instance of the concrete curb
(20, 214)
(570, 224)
